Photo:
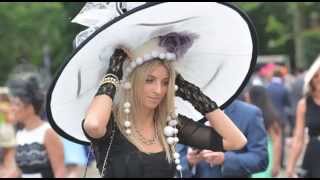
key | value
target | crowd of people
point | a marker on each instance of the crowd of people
(281, 128)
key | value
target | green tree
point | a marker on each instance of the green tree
(28, 30)
(286, 28)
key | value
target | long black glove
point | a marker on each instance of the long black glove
(114, 71)
(190, 92)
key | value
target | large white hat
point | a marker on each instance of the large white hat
(310, 74)
(220, 61)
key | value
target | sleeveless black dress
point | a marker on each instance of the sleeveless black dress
(311, 162)
(126, 160)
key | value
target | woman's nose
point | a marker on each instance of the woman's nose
(158, 88)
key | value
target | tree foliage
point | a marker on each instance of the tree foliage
(27, 28)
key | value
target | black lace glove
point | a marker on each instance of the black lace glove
(189, 92)
(114, 73)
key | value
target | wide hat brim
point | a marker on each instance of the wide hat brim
(314, 68)
(220, 61)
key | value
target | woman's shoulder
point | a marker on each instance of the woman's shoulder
(302, 104)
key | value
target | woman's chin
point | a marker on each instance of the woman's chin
(151, 105)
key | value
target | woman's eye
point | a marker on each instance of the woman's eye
(149, 80)
(166, 83)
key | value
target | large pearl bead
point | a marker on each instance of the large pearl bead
(162, 55)
(128, 131)
(176, 87)
(146, 57)
(176, 155)
(179, 167)
(170, 56)
(170, 140)
(177, 161)
(175, 131)
(168, 131)
(176, 139)
(173, 122)
(154, 54)
(127, 124)
(127, 105)
(127, 111)
(139, 61)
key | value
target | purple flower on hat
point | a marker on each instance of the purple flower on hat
(177, 43)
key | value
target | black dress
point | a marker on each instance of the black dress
(311, 162)
(125, 160)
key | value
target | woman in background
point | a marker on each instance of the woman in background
(258, 96)
(39, 151)
(307, 115)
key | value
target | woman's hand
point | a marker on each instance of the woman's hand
(193, 156)
(212, 157)
(116, 62)
(194, 95)
(114, 74)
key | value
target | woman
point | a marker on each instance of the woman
(258, 96)
(7, 136)
(141, 143)
(131, 117)
(39, 152)
(307, 115)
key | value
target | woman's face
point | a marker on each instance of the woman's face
(155, 87)
(316, 81)
(19, 109)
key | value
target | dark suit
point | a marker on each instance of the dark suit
(251, 159)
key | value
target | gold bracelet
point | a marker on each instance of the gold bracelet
(111, 80)
(112, 75)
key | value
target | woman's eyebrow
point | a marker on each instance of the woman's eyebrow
(152, 76)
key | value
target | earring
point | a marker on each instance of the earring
(126, 107)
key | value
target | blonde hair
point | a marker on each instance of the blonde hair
(137, 79)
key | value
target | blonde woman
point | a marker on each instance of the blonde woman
(308, 113)
(135, 136)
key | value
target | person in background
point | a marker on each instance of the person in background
(241, 163)
(7, 136)
(257, 95)
(307, 115)
(39, 151)
(280, 98)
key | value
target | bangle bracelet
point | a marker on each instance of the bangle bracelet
(110, 80)
(111, 75)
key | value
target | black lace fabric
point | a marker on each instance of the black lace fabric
(107, 89)
(115, 67)
(189, 92)
(116, 63)
(125, 160)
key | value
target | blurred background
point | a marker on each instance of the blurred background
(42, 34)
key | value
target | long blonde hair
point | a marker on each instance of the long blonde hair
(137, 79)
